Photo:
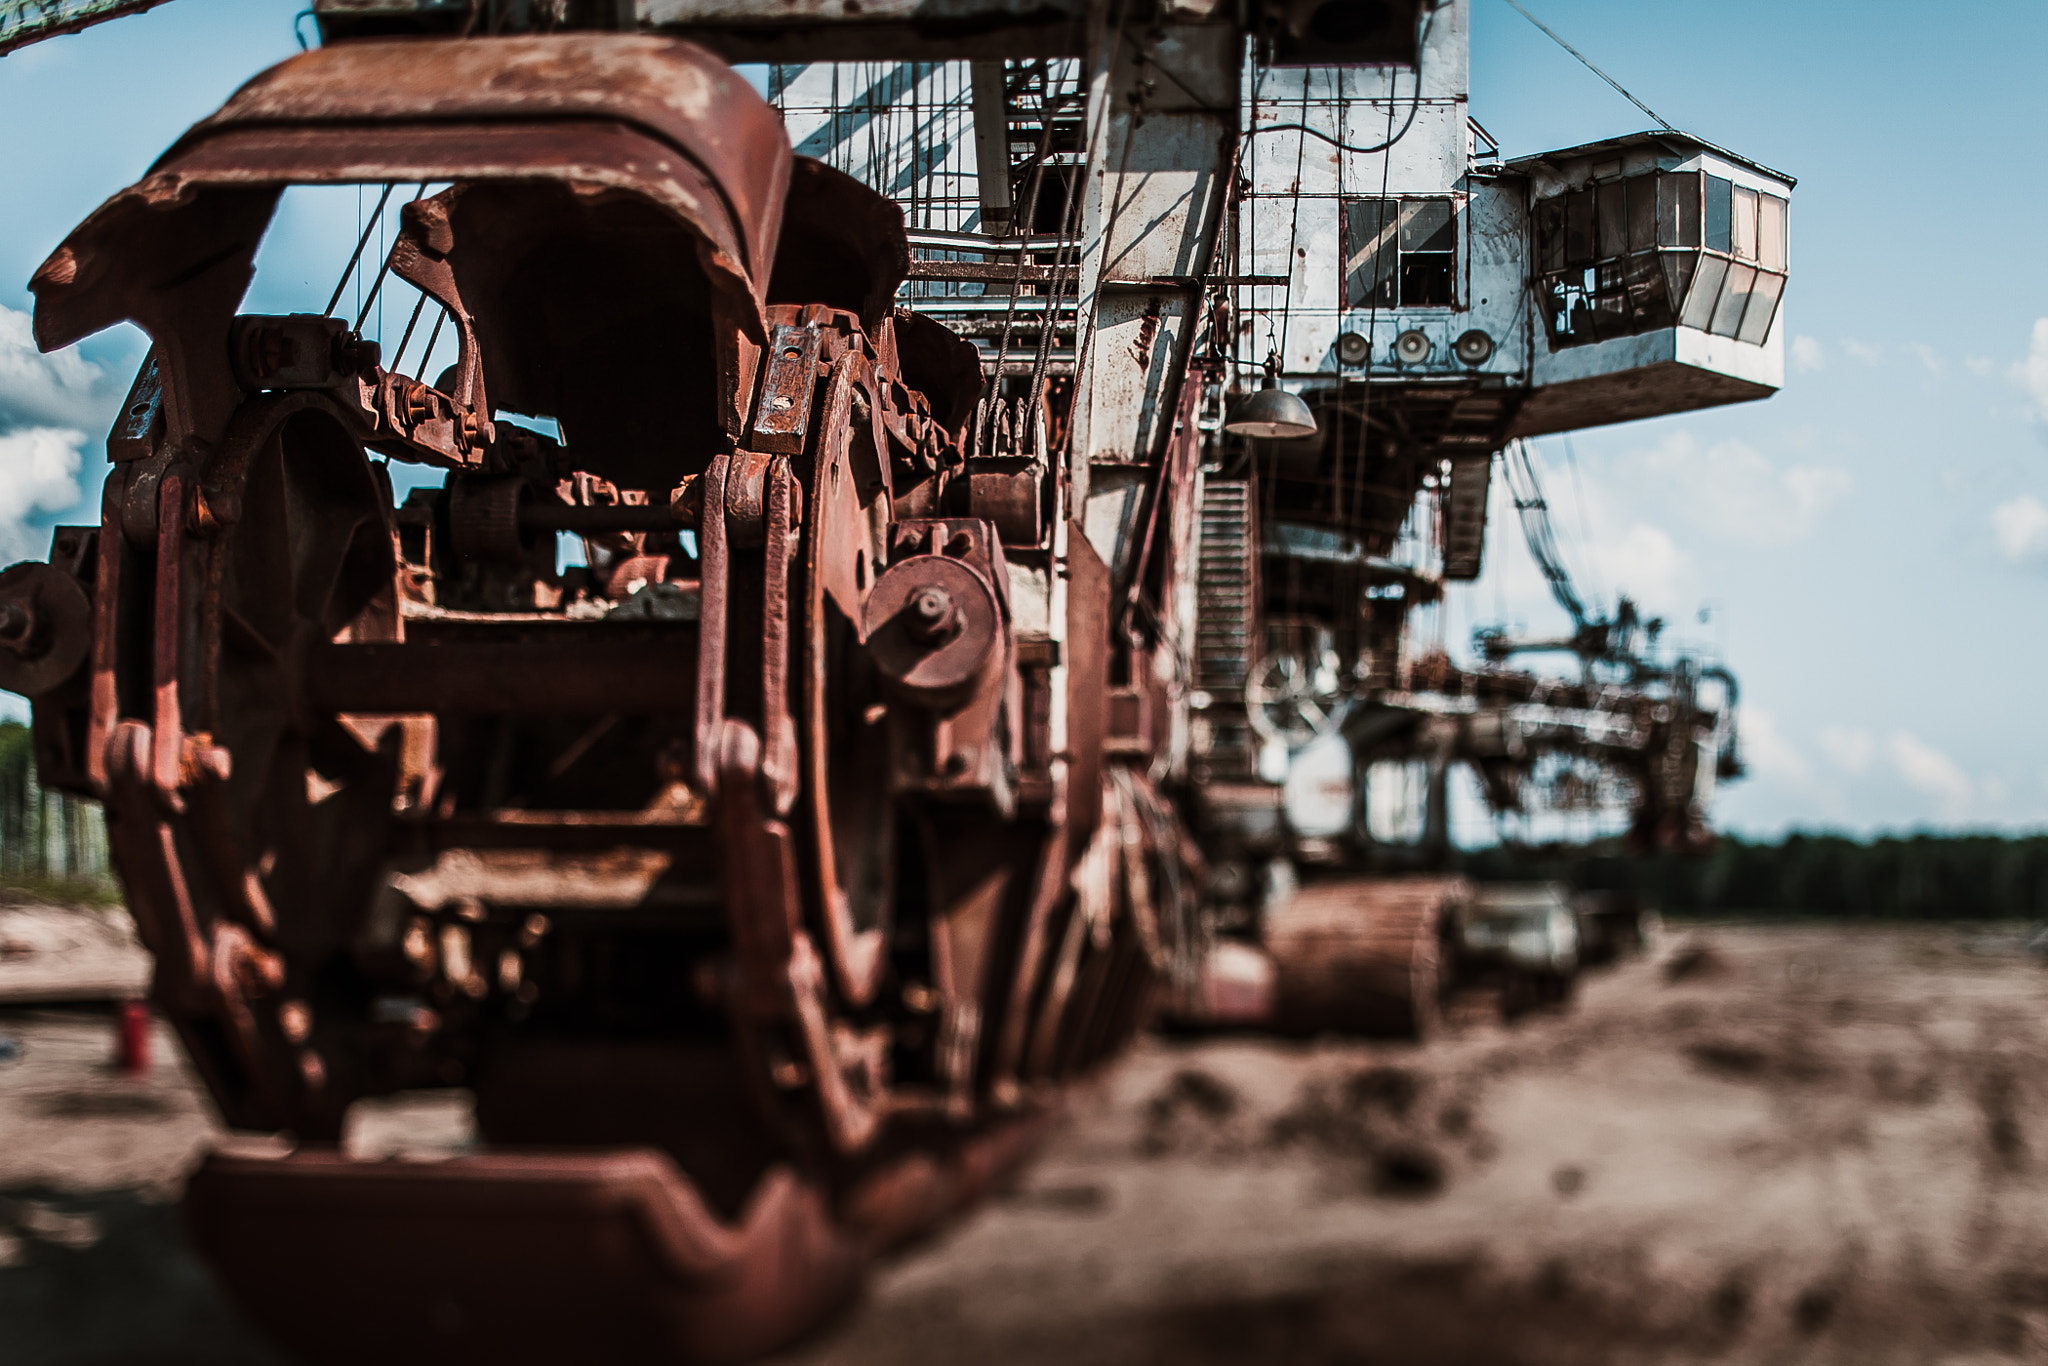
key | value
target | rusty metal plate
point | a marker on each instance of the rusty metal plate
(783, 418)
(531, 1258)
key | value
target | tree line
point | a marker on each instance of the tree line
(1907, 877)
(49, 838)
(45, 837)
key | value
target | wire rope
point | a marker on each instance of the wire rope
(364, 312)
(985, 420)
(1587, 62)
(362, 241)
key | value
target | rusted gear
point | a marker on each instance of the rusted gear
(45, 628)
(934, 624)
(851, 818)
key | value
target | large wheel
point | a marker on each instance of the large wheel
(854, 821)
(298, 820)
(1296, 695)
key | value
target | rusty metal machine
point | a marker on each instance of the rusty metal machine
(716, 705)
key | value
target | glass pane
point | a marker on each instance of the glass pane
(1743, 229)
(1649, 306)
(1550, 235)
(1678, 269)
(1717, 213)
(1763, 306)
(1578, 228)
(1426, 225)
(1678, 209)
(1369, 255)
(1583, 328)
(1706, 292)
(1642, 212)
(1426, 278)
(1568, 301)
(1734, 298)
(1770, 233)
(1557, 307)
(1613, 220)
(1610, 298)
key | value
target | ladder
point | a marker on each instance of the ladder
(1226, 622)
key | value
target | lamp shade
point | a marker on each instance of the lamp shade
(1271, 412)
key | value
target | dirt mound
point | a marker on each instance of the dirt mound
(1194, 1112)
(1696, 960)
(69, 953)
(1401, 1132)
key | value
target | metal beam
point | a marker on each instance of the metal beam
(30, 21)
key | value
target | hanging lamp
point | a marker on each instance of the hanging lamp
(1272, 412)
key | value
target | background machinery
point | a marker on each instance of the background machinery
(1409, 306)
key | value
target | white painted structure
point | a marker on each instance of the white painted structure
(1434, 235)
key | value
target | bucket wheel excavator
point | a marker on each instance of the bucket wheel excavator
(1411, 308)
(765, 874)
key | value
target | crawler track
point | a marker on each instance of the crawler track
(1363, 956)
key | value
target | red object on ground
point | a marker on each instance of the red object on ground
(131, 1052)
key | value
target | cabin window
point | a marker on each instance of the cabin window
(1400, 253)
(1658, 249)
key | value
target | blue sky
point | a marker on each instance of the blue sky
(1872, 542)
(1873, 539)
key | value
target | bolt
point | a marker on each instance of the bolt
(295, 1021)
(932, 615)
(17, 623)
(352, 355)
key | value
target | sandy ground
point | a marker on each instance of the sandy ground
(1762, 1145)
(69, 953)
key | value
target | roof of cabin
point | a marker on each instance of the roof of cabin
(1668, 137)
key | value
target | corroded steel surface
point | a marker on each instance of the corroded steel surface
(1364, 955)
(738, 872)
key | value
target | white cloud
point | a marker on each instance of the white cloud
(38, 474)
(2019, 529)
(1645, 564)
(1980, 365)
(2032, 372)
(1848, 749)
(1808, 354)
(1866, 352)
(1929, 357)
(62, 389)
(1608, 548)
(1926, 769)
(1730, 488)
(1769, 754)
